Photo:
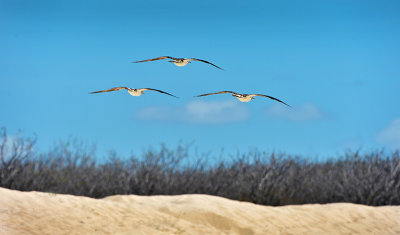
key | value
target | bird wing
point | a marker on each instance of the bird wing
(158, 58)
(112, 89)
(204, 61)
(271, 98)
(215, 93)
(151, 89)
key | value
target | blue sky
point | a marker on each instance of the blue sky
(337, 63)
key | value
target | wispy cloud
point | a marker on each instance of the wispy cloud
(390, 136)
(216, 112)
(306, 112)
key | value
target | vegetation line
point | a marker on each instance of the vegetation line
(268, 179)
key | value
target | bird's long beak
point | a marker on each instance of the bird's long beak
(171, 61)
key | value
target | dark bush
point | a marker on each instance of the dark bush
(268, 179)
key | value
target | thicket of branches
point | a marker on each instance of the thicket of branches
(269, 179)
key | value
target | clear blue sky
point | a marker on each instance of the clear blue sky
(337, 63)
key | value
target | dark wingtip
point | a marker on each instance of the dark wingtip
(286, 104)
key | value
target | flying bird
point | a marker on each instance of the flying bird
(132, 91)
(243, 97)
(178, 61)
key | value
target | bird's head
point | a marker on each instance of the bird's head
(239, 95)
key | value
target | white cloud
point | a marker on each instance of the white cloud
(307, 112)
(215, 112)
(390, 136)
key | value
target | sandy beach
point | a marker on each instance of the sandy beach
(47, 213)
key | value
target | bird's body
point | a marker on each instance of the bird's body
(136, 92)
(177, 61)
(133, 91)
(243, 97)
(180, 62)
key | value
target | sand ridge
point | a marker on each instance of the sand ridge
(47, 213)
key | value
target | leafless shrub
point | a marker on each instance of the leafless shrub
(13, 154)
(269, 179)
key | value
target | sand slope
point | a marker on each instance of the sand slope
(46, 213)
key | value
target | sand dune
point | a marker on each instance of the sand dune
(47, 213)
